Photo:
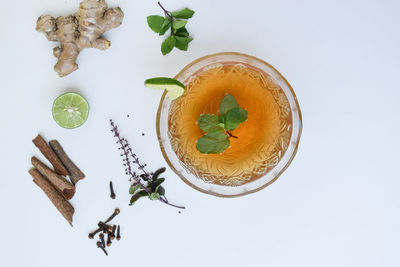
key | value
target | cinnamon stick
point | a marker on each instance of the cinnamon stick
(63, 206)
(59, 183)
(75, 174)
(50, 155)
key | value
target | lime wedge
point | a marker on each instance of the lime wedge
(174, 88)
(70, 110)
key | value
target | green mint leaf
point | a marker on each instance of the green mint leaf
(182, 32)
(177, 24)
(168, 45)
(213, 143)
(133, 189)
(234, 117)
(227, 103)
(155, 22)
(154, 196)
(138, 195)
(160, 190)
(208, 123)
(165, 26)
(182, 43)
(183, 14)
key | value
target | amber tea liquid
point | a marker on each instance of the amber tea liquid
(262, 139)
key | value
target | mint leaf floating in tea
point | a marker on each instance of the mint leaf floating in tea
(175, 21)
(209, 123)
(146, 184)
(218, 129)
(234, 117)
(212, 143)
(227, 103)
(174, 87)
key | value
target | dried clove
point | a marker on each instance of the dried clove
(103, 243)
(113, 232)
(116, 212)
(92, 234)
(112, 193)
(109, 239)
(99, 245)
(118, 233)
(105, 227)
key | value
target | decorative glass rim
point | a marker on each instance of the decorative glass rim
(221, 190)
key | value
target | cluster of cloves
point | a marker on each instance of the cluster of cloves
(112, 232)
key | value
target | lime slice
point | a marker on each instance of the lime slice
(174, 88)
(70, 110)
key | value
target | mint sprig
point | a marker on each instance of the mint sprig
(176, 21)
(212, 143)
(209, 123)
(218, 129)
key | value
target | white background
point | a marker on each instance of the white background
(338, 203)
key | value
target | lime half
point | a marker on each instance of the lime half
(174, 88)
(70, 110)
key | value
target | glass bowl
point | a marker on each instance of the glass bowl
(280, 163)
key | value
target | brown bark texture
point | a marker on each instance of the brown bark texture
(59, 182)
(50, 155)
(54, 195)
(75, 174)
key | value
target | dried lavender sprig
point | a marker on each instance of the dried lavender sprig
(136, 159)
(126, 154)
(127, 148)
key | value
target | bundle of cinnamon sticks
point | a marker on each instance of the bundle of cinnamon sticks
(53, 182)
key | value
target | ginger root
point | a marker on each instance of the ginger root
(79, 31)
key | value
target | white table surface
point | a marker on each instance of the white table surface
(338, 204)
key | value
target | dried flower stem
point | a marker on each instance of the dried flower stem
(166, 11)
(169, 15)
(124, 145)
(127, 153)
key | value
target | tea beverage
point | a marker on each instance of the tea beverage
(262, 139)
